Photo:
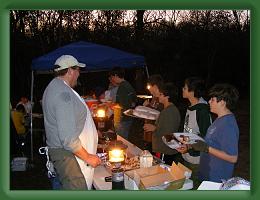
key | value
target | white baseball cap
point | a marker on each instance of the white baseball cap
(66, 61)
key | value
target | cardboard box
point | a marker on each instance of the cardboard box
(186, 170)
(157, 177)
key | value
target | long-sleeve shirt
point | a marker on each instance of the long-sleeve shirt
(167, 122)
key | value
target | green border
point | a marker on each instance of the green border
(6, 5)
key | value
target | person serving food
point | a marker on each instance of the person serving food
(71, 135)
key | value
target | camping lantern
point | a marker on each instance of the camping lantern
(100, 119)
(101, 113)
(116, 156)
(116, 152)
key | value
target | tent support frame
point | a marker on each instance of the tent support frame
(146, 70)
(31, 118)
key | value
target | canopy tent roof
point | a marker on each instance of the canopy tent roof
(96, 57)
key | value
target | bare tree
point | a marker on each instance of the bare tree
(139, 25)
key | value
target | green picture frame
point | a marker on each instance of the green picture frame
(6, 5)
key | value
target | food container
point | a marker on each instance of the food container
(146, 159)
(117, 115)
(158, 177)
(91, 102)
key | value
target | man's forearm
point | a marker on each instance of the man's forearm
(82, 154)
(90, 159)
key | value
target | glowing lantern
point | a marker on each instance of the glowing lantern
(116, 155)
(116, 152)
(101, 113)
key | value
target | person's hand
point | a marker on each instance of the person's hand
(149, 127)
(93, 160)
(146, 103)
(183, 149)
(200, 146)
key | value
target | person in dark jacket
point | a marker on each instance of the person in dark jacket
(125, 97)
(197, 120)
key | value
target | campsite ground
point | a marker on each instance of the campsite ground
(36, 178)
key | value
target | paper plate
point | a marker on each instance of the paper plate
(173, 144)
(145, 96)
(129, 112)
(192, 137)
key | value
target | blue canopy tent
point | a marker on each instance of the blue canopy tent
(96, 57)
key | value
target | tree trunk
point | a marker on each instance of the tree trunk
(139, 25)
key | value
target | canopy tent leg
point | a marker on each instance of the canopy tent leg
(146, 70)
(31, 118)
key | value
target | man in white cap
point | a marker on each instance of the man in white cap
(71, 134)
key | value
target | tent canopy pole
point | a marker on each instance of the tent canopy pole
(31, 118)
(146, 70)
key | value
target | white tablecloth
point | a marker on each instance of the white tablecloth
(101, 172)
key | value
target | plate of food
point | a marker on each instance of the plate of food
(145, 96)
(143, 112)
(146, 112)
(129, 113)
(187, 138)
(173, 144)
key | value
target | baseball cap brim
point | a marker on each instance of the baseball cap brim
(81, 65)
